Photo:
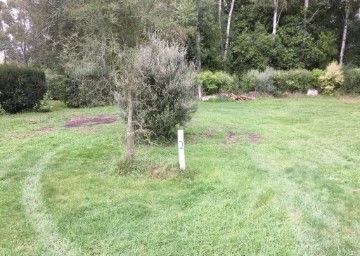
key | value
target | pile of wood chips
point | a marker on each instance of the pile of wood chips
(241, 97)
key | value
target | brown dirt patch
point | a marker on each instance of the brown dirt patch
(163, 172)
(195, 138)
(232, 138)
(79, 121)
(209, 133)
(235, 138)
(254, 138)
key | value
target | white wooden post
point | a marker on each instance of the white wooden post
(181, 144)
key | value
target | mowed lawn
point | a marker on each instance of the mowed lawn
(267, 177)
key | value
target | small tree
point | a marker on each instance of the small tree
(156, 91)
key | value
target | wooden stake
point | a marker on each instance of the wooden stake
(181, 144)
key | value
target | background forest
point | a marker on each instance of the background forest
(78, 42)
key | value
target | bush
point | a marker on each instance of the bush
(88, 91)
(56, 85)
(255, 80)
(162, 87)
(249, 80)
(214, 82)
(21, 88)
(296, 80)
(2, 111)
(315, 78)
(352, 81)
(333, 78)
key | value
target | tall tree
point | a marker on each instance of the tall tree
(2, 33)
(228, 30)
(278, 7)
(220, 3)
(345, 32)
(199, 23)
(306, 9)
(351, 8)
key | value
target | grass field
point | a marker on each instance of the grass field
(267, 177)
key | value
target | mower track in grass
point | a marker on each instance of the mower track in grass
(43, 224)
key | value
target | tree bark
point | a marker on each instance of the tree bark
(198, 49)
(275, 17)
(306, 8)
(228, 30)
(198, 43)
(130, 135)
(344, 36)
(306, 4)
(220, 15)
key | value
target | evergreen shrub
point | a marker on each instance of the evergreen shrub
(21, 88)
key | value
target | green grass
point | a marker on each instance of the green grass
(268, 177)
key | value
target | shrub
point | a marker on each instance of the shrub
(56, 85)
(255, 80)
(88, 91)
(266, 82)
(21, 88)
(2, 111)
(352, 81)
(249, 80)
(333, 78)
(315, 78)
(296, 80)
(214, 82)
(162, 87)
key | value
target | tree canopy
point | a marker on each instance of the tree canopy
(236, 35)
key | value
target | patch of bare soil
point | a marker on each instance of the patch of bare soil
(194, 138)
(79, 121)
(254, 138)
(209, 133)
(233, 138)
(163, 172)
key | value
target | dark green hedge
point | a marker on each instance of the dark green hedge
(352, 81)
(21, 88)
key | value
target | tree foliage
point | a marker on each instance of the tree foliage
(159, 83)
(74, 37)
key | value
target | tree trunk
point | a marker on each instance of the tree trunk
(275, 17)
(306, 4)
(198, 49)
(344, 36)
(130, 136)
(198, 42)
(228, 30)
(220, 15)
(306, 8)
